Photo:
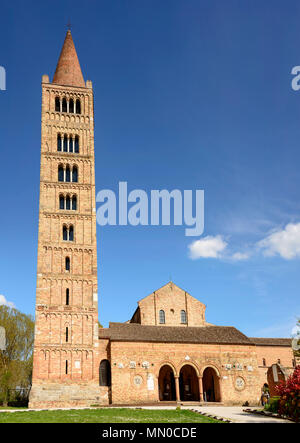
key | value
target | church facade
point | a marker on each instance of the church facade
(167, 352)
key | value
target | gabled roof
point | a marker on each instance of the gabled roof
(171, 284)
(172, 334)
(68, 71)
(261, 341)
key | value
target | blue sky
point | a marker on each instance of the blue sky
(188, 95)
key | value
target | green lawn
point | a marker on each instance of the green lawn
(106, 415)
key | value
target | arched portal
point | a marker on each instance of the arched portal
(188, 384)
(166, 384)
(211, 385)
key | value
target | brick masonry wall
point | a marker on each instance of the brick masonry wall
(271, 354)
(172, 300)
(126, 390)
(66, 348)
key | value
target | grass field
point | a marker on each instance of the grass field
(107, 415)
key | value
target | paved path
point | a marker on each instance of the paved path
(236, 414)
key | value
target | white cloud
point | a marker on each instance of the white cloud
(5, 302)
(240, 256)
(209, 246)
(284, 242)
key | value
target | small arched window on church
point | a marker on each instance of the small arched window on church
(71, 144)
(67, 264)
(64, 105)
(183, 317)
(67, 334)
(162, 317)
(76, 144)
(61, 202)
(264, 362)
(78, 107)
(71, 106)
(74, 203)
(68, 174)
(65, 143)
(104, 373)
(60, 173)
(66, 367)
(75, 174)
(59, 142)
(57, 104)
(67, 297)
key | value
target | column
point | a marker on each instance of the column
(177, 388)
(200, 387)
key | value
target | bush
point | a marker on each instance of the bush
(289, 391)
(273, 406)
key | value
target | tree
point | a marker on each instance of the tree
(297, 352)
(16, 360)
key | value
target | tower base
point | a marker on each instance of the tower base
(64, 395)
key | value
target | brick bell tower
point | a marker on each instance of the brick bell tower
(66, 356)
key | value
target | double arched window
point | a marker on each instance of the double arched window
(67, 202)
(68, 233)
(162, 317)
(64, 105)
(68, 143)
(183, 317)
(67, 174)
(105, 373)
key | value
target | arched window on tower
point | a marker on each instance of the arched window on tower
(76, 144)
(68, 203)
(61, 202)
(65, 143)
(74, 203)
(60, 173)
(105, 373)
(67, 297)
(64, 105)
(68, 174)
(71, 106)
(71, 144)
(75, 174)
(67, 334)
(65, 233)
(162, 317)
(67, 264)
(59, 142)
(183, 317)
(71, 233)
(78, 107)
(57, 104)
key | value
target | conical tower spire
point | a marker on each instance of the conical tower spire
(68, 71)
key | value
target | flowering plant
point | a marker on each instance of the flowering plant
(289, 392)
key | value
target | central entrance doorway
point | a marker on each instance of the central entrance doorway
(166, 384)
(188, 384)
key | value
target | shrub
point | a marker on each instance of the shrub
(273, 406)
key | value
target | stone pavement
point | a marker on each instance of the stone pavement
(235, 414)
